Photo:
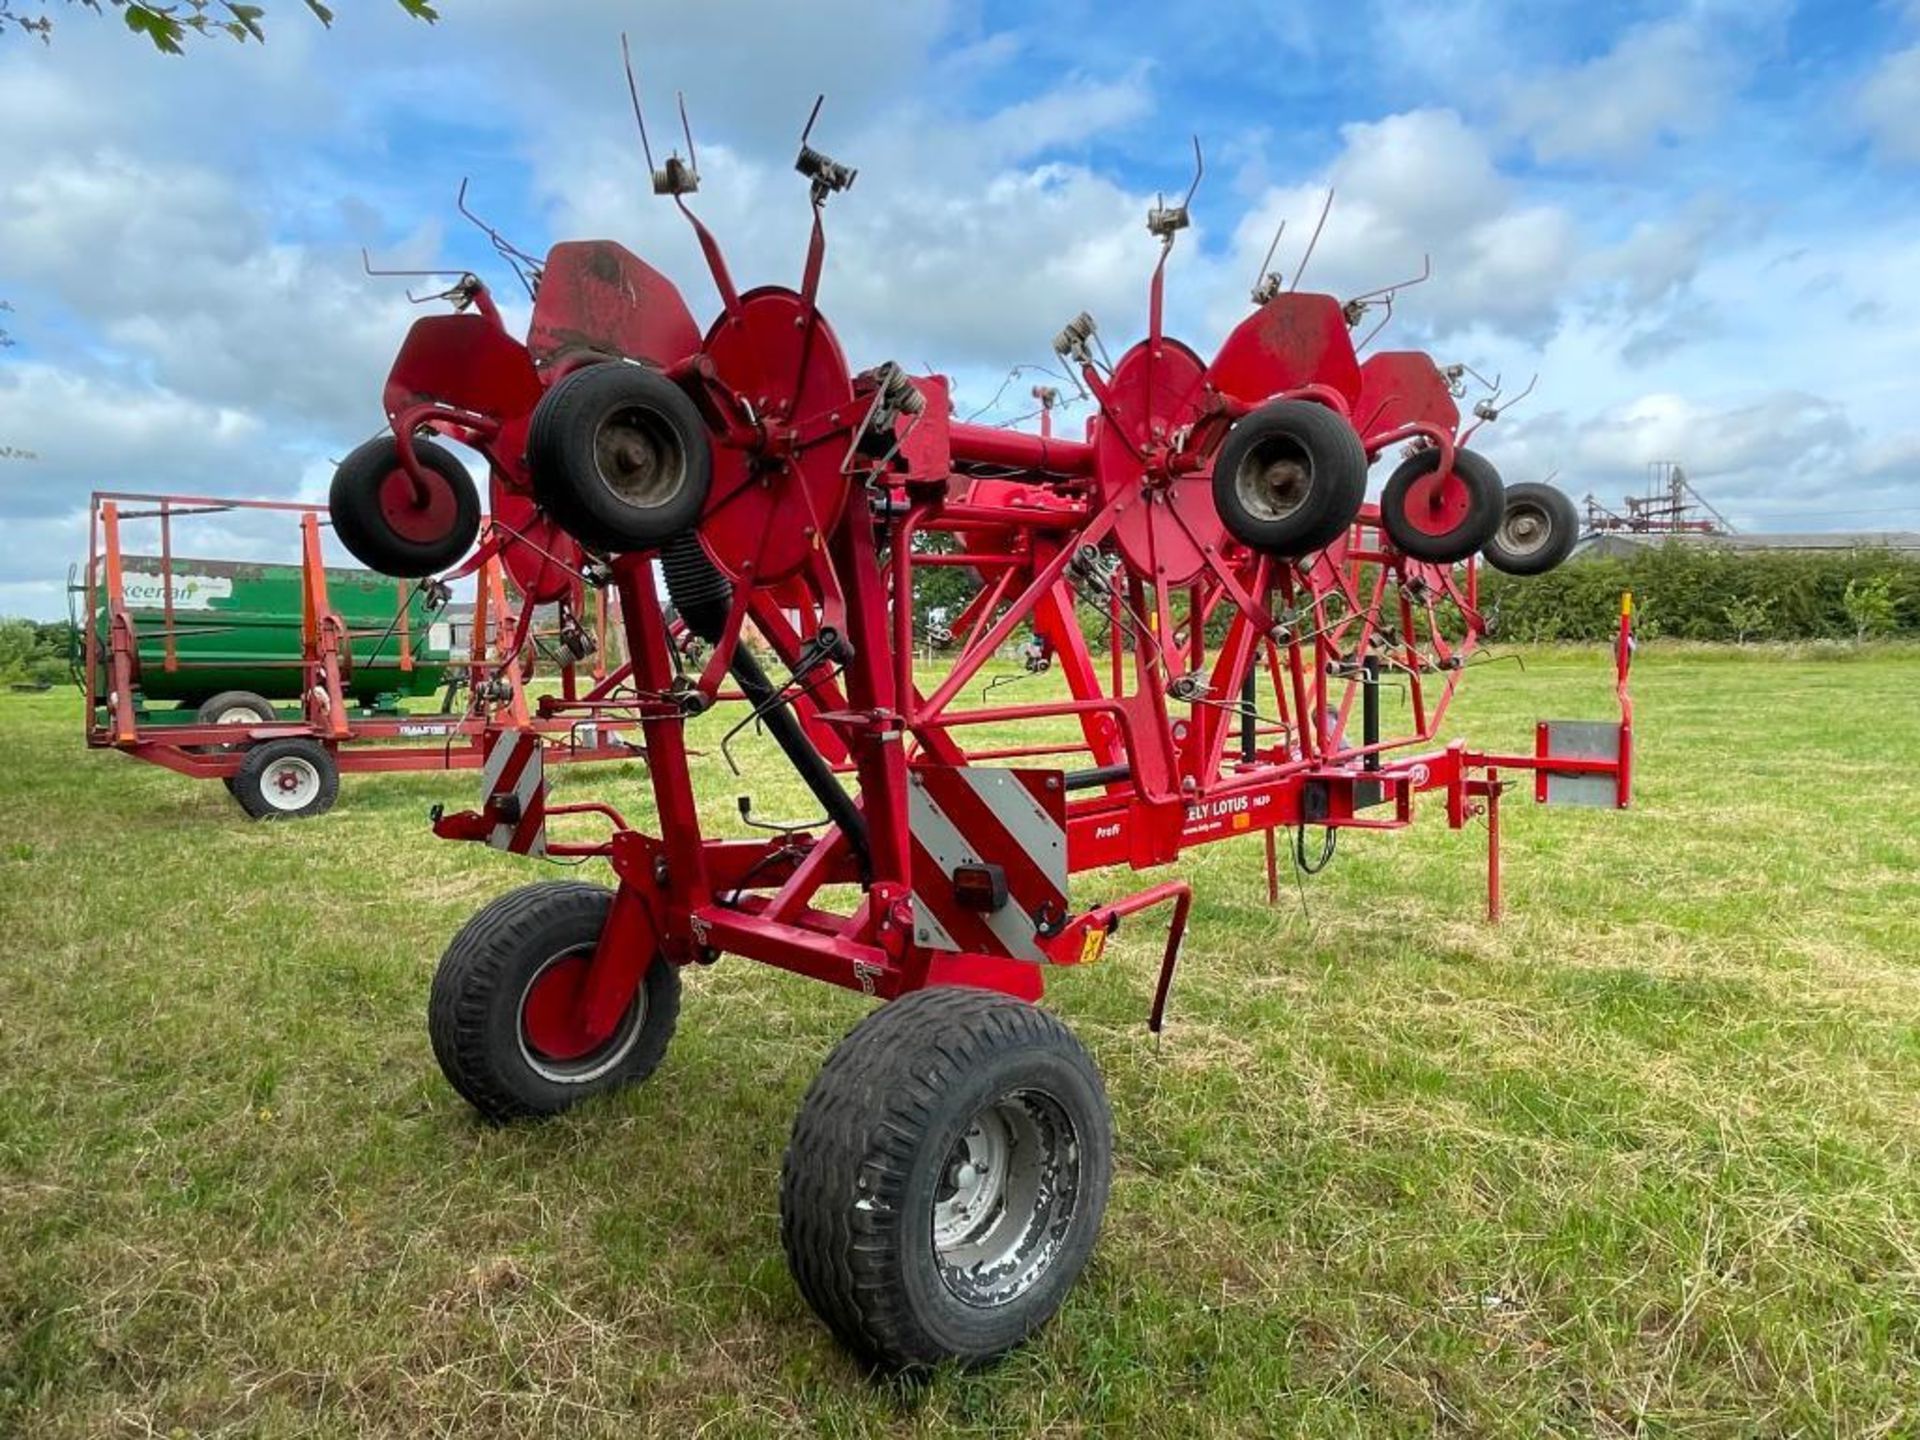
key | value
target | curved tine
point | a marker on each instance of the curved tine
(806, 131)
(502, 246)
(1199, 169)
(1386, 303)
(1314, 241)
(1493, 385)
(1272, 246)
(633, 91)
(686, 129)
(1386, 292)
(1523, 394)
(366, 263)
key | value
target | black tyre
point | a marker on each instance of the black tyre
(394, 526)
(1289, 478)
(620, 457)
(286, 780)
(1538, 530)
(946, 1178)
(1442, 520)
(233, 707)
(501, 1016)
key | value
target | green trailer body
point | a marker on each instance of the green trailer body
(237, 626)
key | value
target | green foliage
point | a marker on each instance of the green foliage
(35, 651)
(168, 27)
(1871, 607)
(1697, 593)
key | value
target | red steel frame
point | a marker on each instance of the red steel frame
(815, 525)
(358, 741)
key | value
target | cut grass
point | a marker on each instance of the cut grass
(1640, 1159)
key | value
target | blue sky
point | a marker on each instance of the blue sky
(1700, 225)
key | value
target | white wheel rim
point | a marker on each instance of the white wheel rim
(291, 783)
(238, 715)
(1006, 1199)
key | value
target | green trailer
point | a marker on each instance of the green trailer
(276, 678)
(202, 628)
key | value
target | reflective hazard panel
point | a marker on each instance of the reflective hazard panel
(513, 793)
(961, 817)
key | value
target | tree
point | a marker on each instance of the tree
(169, 26)
(1870, 607)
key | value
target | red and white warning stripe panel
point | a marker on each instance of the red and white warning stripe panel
(989, 858)
(513, 793)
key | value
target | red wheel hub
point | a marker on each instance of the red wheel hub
(553, 1016)
(420, 514)
(1437, 503)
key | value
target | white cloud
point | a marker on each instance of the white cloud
(1661, 80)
(1889, 105)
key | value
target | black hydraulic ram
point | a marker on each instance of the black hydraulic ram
(703, 597)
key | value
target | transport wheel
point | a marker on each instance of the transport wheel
(1537, 531)
(1289, 478)
(389, 523)
(233, 707)
(503, 1017)
(286, 780)
(236, 707)
(620, 457)
(946, 1177)
(1442, 519)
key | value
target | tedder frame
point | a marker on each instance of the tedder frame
(949, 1167)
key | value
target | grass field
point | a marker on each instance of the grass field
(1639, 1160)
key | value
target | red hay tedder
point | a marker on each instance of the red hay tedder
(949, 1167)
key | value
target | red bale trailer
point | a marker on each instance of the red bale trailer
(278, 678)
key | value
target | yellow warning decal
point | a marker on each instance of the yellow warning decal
(1093, 946)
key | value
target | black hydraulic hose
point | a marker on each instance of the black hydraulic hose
(703, 597)
(1099, 775)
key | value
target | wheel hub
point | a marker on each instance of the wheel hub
(1524, 530)
(639, 459)
(1274, 481)
(554, 1036)
(1007, 1194)
(291, 784)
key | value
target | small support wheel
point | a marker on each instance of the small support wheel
(395, 524)
(1442, 519)
(1289, 478)
(504, 1014)
(1537, 531)
(286, 780)
(620, 457)
(946, 1177)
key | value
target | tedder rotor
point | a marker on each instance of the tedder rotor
(950, 1164)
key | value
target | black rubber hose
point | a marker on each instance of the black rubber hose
(703, 596)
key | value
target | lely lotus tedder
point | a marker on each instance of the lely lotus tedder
(949, 1167)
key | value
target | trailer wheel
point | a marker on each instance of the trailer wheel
(233, 707)
(389, 523)
(286, 780)
(620, 457)
(1442, 519)
(502, 1017)
(946, 1177)
(1537, 530)
(1289, 478)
